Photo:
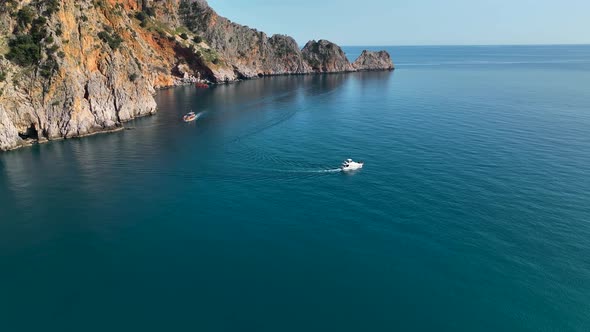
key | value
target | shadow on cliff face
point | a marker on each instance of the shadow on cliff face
(194, 62)
(30, 133)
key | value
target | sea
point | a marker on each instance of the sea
(472, 211)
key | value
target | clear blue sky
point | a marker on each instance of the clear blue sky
(417, 22)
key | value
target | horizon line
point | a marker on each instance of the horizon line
(437, 45)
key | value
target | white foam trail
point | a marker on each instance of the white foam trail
(334, 170)
(200, 114)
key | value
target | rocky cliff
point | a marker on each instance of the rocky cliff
(326, 57)
(373, 61)
(71, 68)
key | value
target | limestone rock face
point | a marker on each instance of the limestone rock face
(326, 57)
(373, 61)
(71, 68)
(9, 138)
(242, 52)
(82, 83)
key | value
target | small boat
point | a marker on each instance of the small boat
(189, 117)
(350, 165)
(202, 85)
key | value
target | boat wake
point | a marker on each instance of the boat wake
(301, 171)
(334, 170)
(320, 171)
(200, 114)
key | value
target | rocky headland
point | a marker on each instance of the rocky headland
(71, 68)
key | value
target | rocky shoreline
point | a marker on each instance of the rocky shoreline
(77, 68)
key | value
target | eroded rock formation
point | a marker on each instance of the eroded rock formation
(326, 57)
(372, 61)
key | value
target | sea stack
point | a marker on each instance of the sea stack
(373, 61)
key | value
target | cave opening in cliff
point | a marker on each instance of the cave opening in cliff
(30, 133)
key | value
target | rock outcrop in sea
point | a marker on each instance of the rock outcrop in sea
(70, 68)
(326, 57)
(373, 61)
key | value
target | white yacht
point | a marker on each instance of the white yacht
(349, 165)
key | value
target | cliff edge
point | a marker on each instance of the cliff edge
(70, 68)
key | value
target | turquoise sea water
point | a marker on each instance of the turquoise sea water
(472, 212)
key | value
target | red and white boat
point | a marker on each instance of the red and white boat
(189, 117)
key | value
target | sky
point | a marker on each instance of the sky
(416, 22)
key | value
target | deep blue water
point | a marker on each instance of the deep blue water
(471, 214)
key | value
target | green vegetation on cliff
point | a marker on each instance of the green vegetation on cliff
(32, 38)
(24, 50)
(114, 40)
